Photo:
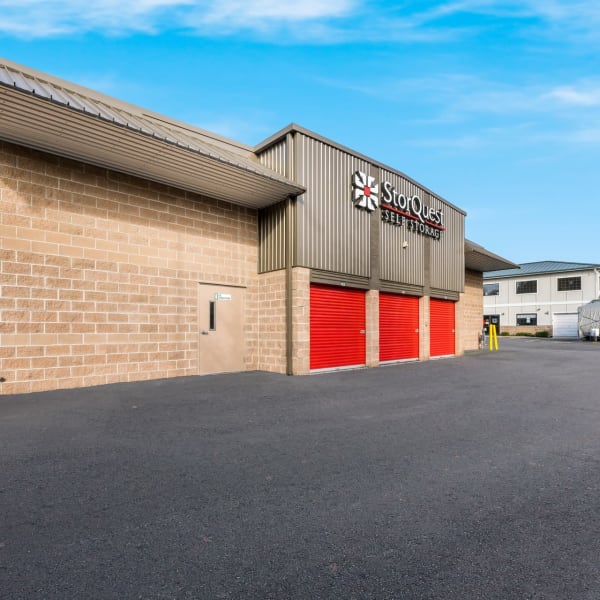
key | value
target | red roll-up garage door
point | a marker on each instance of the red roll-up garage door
(337, 327)
(398, 327)
(441, 330)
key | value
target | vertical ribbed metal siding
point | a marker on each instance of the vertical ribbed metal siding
(448, 254)
(271, 220)
(332, 234)
(271, 235)
(401, 264)
(275, 157)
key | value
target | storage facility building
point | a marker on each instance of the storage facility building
(134, 246)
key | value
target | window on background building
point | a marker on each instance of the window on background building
(527, 319)
(527, 287)
(491, 289)
(567, 284)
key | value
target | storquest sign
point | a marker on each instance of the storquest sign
(397, 209)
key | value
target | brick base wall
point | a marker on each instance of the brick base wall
(99, 273)
(469, 314)
(271, 322)
(372, 331)
(300, 320)
(532, 329)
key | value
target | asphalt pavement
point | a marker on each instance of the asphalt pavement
(466, 478)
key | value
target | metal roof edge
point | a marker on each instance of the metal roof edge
(226, 153)
(124, 105)
(294, 127)
(472, 247)
(274, 138)
(574, 267)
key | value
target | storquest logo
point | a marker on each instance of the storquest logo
(365, 191)
(398, 209)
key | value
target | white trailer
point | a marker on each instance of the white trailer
(589, 319)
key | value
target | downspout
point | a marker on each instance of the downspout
(596, 283)
(289, 346)
(290, 172)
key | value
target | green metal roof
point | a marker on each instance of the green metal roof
(540, 268)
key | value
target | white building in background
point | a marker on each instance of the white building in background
(540, 296)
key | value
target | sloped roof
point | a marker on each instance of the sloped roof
(541, 268)
(53, 115)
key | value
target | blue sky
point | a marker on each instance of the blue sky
(493, 105)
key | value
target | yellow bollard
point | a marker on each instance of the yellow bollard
(493, 337)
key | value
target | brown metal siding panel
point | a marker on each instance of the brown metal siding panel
(275, 157)
(444, 294)
(448, 254)
(407, 265)
(271, 222)
(271, 235)
(404, 265)
(332, 234)
(339, 279)
(401, 288)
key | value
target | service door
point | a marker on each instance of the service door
(221, 321)
(337, 327)
(398, 327)
(442, 340)
(565, 325)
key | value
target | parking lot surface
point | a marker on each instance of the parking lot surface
(468, 478)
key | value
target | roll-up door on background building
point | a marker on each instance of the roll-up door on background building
(337, 327)
(398, 327)
(441, 327)
(565, 325)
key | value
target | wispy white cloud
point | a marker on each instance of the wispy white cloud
(547, 10)
(239, 12)
(561, 20)
(318, 21)
(573, 96)
(586, 136)
(49, 18)
(475, 112)
(46, 18)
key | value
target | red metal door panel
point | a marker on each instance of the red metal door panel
(441, 329)
(398, 327)
(337, 327)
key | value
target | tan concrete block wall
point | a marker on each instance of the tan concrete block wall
(424, 348)
(300, 320)
(372, 323)
(271, 320)
(469, 313)
(99, 273)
